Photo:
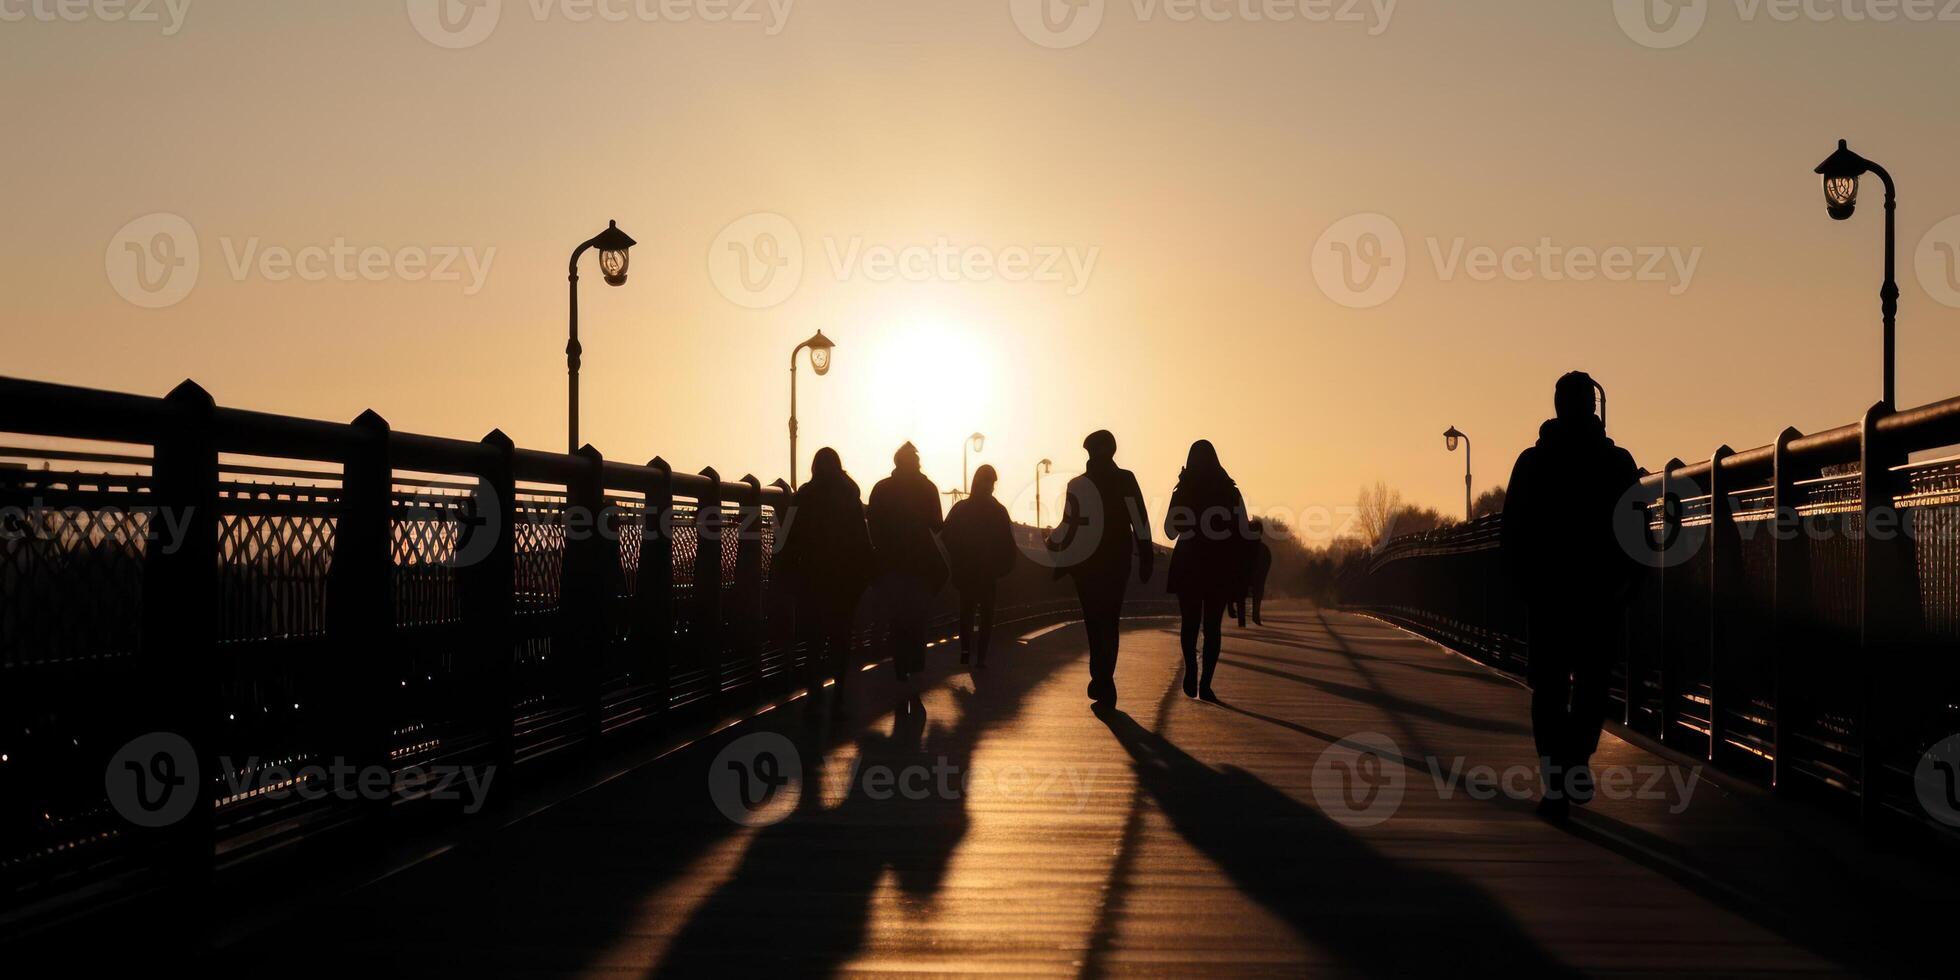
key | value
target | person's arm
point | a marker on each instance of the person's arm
(1140, 524)
(1515, 531)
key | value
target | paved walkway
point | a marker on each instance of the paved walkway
(995, 824)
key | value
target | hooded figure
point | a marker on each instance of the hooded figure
(826, 558)
(1103, 524)
(1213, 553)
(1563, 552)
(980, 541)
(904, 516)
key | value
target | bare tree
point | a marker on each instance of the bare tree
(1375, 512)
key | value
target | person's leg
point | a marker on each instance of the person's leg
(1098, 619)
(1191, 608)
(841, 658)
(1590, 668)
(809, 642)
(984, 625)
(1549, 671)
(969, 604)
(1214, 611)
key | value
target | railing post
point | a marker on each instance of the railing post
(748, 576)
(1786, 554)
(1724, 560)
(489, 597)
(779, 608)
(707, 579)
(360, 603)
(583, 607)
(1669, 668)
(1879, 553)
(180, 613)
(653, 600)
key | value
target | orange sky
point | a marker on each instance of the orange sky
(1029, 241)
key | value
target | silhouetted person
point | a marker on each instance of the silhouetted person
(904, 515)
(1103, 525)
(1209, 563)
(826, 556)
(1261, 559)
(980, 541)
(1561, 550)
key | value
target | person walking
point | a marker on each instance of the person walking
(1561, 547)
(903, 519)
(1103, 525)
(980, 542)
(826, 558)
(1210, 560)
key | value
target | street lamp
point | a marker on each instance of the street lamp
(1450, 439)
(1045, 466)
(977, 442)
(819, 347)
(1841, 171)
(613, 245)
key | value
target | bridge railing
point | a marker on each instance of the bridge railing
(1796, 617)
(284, 594)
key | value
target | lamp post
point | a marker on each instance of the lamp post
(977, 443)
(1045, 466)
(613, 245)
(1450, 439)
(819, 347)
(1841, 171)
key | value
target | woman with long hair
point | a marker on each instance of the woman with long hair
(1207, 520)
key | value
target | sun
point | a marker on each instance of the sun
(933, 380)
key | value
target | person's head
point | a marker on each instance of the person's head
(984, 479)
(907, 458)
(1203, 457)
(826, 464)
(1573, 396)
(1101, 445)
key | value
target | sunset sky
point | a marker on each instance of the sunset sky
(1031, 240)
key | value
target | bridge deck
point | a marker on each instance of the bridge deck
(1171, 836)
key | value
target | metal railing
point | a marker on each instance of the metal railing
(282, 592)
(1796, 617)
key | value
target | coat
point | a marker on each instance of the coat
(980, 541)
(1571, 533)
(903, 518)
(825, 554)
(1214, 541)
(1103, 523)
